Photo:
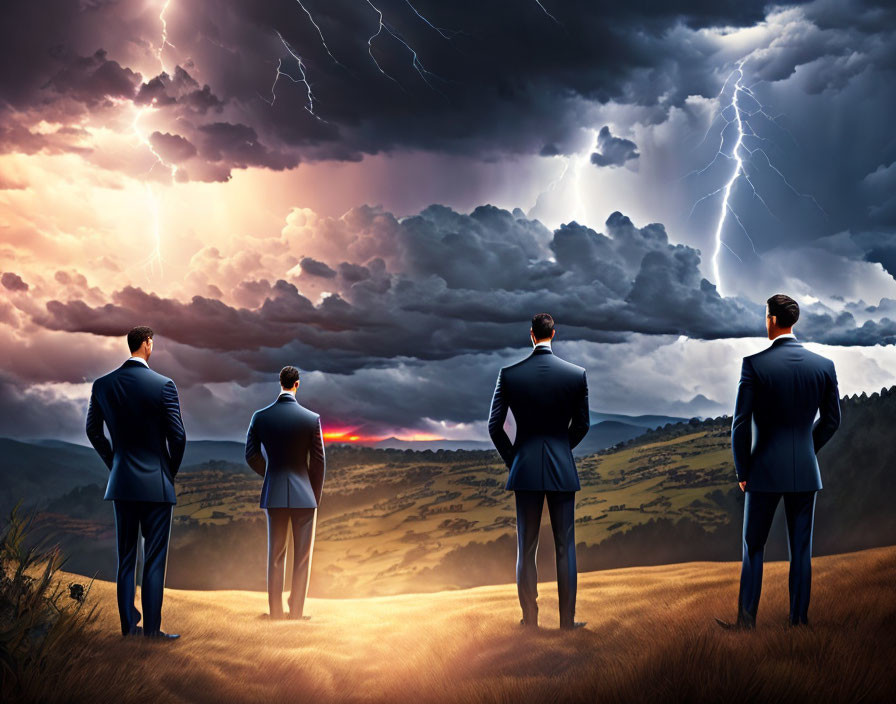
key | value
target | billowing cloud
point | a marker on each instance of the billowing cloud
(613, 151)
(436, 285)
(172, 147)
(13, 281)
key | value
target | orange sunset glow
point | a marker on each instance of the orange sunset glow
(350, 436)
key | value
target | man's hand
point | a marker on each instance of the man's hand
(742, 485)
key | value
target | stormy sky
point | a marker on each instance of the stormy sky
(383, 193)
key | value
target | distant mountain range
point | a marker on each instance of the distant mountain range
(607, 429)
(646, 421)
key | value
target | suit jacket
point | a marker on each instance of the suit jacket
(549, 401)
(142, 411)
(293, 442)
(781, 389)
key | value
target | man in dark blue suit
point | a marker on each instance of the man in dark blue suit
(293, 480)
(549, 402)
(142, 412)
(781, 391)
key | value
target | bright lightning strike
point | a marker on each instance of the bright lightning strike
(741, 154)
(164, 41)
(575, 166)
(155, 258)
(737, 172)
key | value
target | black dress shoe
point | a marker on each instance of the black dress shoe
(736, 626)
(161, 635)
(573, 626)
(135, 631)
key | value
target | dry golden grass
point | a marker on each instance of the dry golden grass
(650, 637)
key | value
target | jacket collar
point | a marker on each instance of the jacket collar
(286, 398)
(542, 350)
(781, 340)
(133, 363)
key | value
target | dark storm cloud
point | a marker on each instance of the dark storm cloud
(172, 147)
(31, 413)
(181, 89)
(312, 267)
(613, 151)
(452, 284)
(508, 80)
(239, 146)
(13, 281)
(93, 79)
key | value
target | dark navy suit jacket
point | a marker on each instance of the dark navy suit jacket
(781, 389)
(549, 401)
(142, 412)
(293, 442)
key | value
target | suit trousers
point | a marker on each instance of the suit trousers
(302, 521)
(759, 510)
(561, 507)
(153, 519)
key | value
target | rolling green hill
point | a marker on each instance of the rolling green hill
(400, 520)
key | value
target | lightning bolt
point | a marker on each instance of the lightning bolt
(155, 257)
(728, 186)
(544, 10)
(418, 66)
(303, 79)
(164, 41)
(573, 165)
(321, 35)
(741, 155)
(382, 28)
(444, 33)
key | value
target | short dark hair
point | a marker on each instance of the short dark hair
(138, 336)
(542, 325)
(785, 309)
(288, 377)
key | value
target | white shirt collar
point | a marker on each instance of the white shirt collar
(544, 345)
(286, 393)
(786, 335)
(139, 359)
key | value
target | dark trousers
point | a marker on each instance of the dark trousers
(759, 510)
(153, 520)
(279, 520)
(561, 507)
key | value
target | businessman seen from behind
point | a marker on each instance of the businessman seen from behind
(142, 412)
(782, 389)
(293, 470)
(548, 398)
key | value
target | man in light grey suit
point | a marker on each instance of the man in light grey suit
(293, 474)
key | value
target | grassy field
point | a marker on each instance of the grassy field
(650, 637)
(386, 527)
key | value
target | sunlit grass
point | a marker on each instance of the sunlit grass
(650, 637)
